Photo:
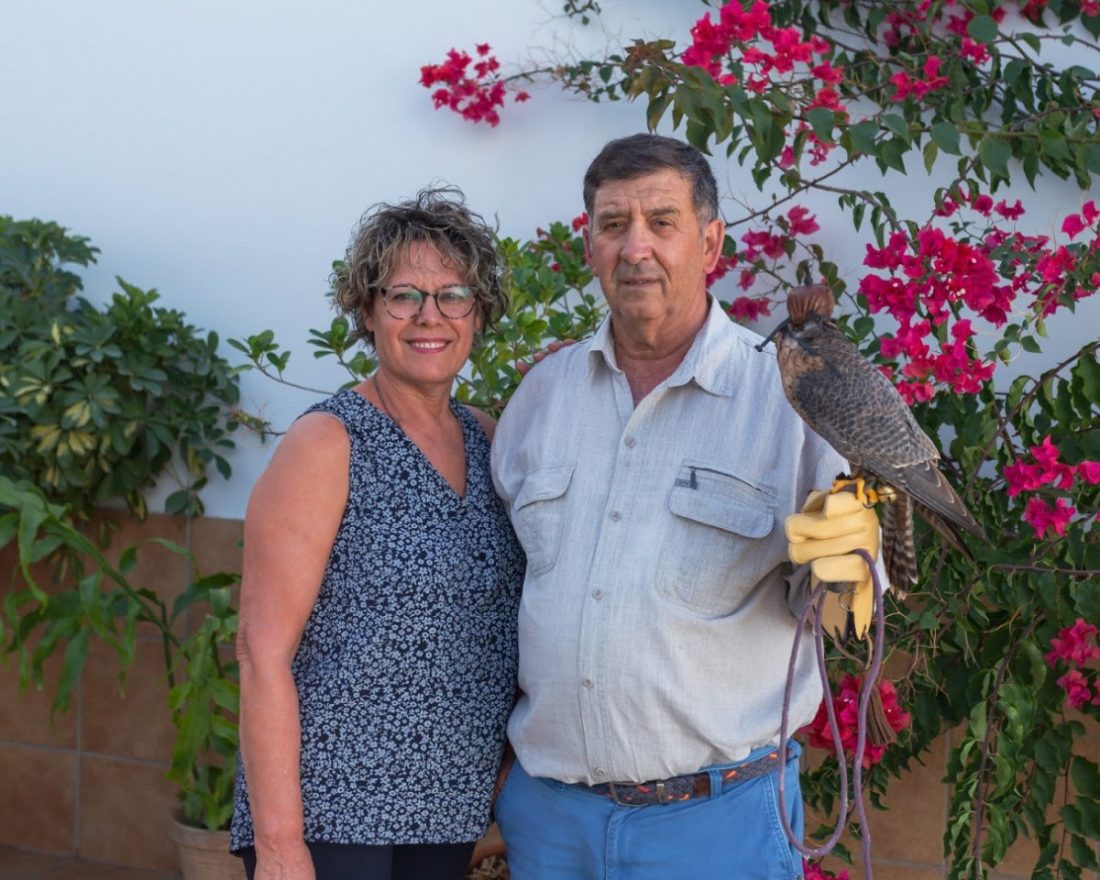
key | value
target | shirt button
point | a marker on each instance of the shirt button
(599, 771)
(630, 442)
(597, 594)
(587, 682)
(614, 516)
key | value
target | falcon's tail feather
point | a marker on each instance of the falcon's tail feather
(898, 553)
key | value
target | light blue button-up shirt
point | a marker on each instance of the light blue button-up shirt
(654, 628)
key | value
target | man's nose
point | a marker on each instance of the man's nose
(637, 244)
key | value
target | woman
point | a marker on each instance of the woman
(381, 579)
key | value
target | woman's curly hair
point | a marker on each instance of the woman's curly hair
(437, 216)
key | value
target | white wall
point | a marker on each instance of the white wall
(222, 150)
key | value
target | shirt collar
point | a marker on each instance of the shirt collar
(707, 361)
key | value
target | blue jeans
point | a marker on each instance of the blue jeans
(556, 831)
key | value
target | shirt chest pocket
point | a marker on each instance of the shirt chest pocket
(719, 544)
(539, 515)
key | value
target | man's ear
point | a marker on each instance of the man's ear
(586, 237)
(714, 236)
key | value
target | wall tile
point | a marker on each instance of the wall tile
(25, 715)
(134, 723)
(216, 543)
(911, 829)
(38, 809)
(125, 814)
(157, 567)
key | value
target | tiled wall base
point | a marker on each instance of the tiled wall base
(91, 782)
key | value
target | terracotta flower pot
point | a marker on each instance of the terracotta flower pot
(204, 855)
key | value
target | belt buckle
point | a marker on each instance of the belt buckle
(613, 790)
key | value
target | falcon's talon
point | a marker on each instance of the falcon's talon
(866, 495)
(841, 484)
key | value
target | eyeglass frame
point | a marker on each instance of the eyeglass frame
(434, 294)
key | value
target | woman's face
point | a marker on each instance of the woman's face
(428, 349)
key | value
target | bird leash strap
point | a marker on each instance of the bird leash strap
(867, 689)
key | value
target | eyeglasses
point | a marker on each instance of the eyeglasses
(405, 301)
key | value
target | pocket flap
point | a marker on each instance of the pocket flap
(753, 520)
(544, 483)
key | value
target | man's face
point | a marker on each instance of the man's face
(649, 250)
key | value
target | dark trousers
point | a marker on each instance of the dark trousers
(422, 861)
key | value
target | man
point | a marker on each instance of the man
(647, 472)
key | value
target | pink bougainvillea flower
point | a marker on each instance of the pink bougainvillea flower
(476, 96)
(1013, 212)
(846, 706)
(1073, 225)
(801, 221)
(814, 871)
(580, 221)
(976, 52)
(829, 74)
(1076, 686)
(750, 308)
(1089, 471)
(721, 268)
(1022, 477)
(1074, 644)
(1045, 518)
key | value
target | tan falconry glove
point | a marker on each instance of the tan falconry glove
(825, 534)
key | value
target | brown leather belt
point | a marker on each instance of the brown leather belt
(681, 788)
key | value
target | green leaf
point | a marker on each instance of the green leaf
(1092, 154)
(931, 151)
(821, 120)
(946, 136)
(1031, 39)
(982, 28)
(896, 124)
(995, 155)
(863, 137)
(1086, 777)
(890, 154)
(1055, 145)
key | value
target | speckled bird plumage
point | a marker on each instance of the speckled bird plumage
(856, 409)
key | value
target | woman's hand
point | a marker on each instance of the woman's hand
(524, 367)
(292, 864)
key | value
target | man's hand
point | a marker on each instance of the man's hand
(825, 534)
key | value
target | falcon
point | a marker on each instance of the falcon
(858, 411)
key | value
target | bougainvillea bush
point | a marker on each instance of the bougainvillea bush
(968, 97)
